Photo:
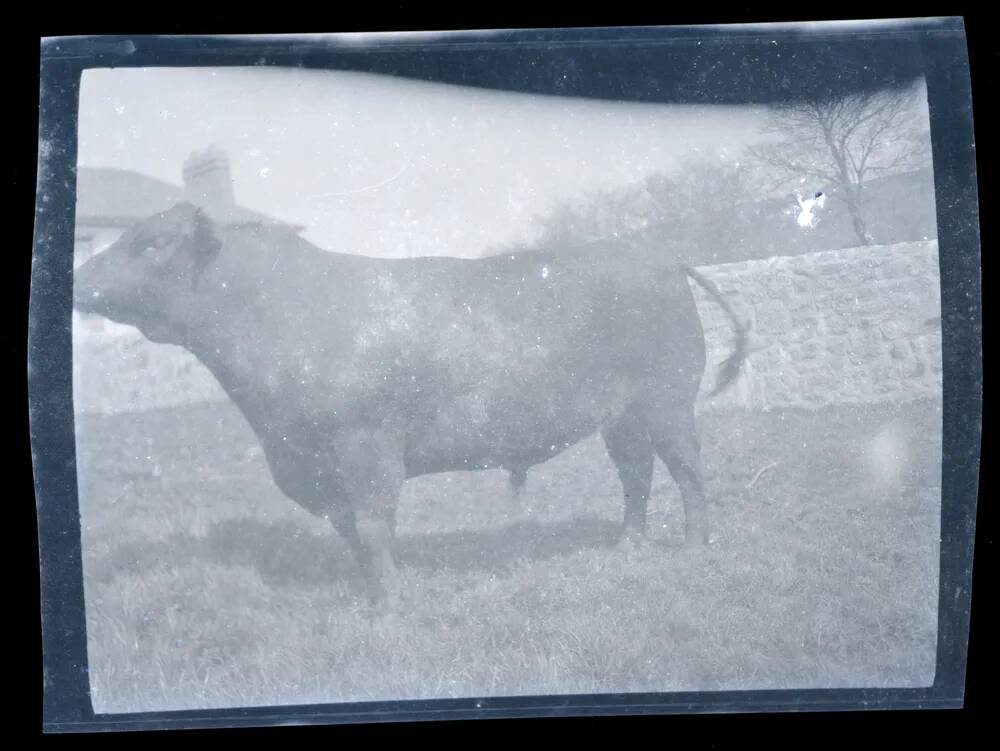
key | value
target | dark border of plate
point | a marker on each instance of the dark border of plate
(604, 63)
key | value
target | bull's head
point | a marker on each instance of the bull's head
(149, 276)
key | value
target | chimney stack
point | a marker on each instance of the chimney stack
(208, 180)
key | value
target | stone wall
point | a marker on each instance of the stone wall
(846, 326)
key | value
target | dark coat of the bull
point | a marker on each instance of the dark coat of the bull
(356, 373)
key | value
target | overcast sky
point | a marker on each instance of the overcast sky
(386, 166)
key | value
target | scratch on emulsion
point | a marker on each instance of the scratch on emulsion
(366, 188)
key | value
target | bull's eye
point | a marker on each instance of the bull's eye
(151, 246)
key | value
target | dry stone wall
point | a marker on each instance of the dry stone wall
(846, 326)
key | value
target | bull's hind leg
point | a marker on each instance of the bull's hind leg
(629, 447)
(675, 438)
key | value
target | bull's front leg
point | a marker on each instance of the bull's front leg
(371, 473)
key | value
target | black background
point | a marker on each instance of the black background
(583, 77)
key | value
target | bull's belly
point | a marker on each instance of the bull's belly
(472, 433)
(449, 451)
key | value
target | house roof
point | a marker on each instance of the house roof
(117, 197)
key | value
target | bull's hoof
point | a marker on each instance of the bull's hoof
(384, 593)
(697, 538)
(383, 604)
(384, 611)
(631, 539)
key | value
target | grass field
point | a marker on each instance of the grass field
(206, 587)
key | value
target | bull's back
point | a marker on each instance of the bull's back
(600, 310)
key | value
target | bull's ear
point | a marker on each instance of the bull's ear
(206, 245)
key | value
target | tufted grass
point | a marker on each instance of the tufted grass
(205, 587)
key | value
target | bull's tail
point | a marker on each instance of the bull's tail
(730, 368)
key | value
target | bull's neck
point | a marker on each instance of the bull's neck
(238, 328)
(226, 358)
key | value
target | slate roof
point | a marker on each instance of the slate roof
(118, 197)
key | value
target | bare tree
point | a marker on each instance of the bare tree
(697, 209)
(601, 214)
(702, 205)
(843, 141)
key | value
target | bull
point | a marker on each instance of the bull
(356, 373)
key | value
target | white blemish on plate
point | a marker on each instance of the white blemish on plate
(806, 217)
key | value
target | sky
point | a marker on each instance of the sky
(386, 166)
